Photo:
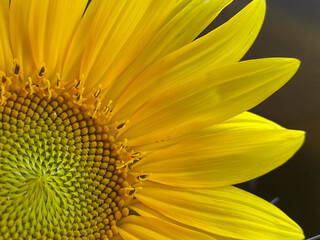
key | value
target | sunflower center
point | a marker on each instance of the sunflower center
(59, 170)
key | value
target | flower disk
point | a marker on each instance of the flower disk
(118, 123)
(58, 173)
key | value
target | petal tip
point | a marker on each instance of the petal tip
(260, 3)
(297, 138)
(293, 63)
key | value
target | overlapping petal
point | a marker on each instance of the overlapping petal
(224, 45)
(105, 29)
(235, 151)
(129, 39)
(182, 26)
(134, 34)
(39, 33)
(143, 228)
(188, 106)
(182, 99)
(145, 211)
(227, 211)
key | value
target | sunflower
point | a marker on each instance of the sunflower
(116, 124)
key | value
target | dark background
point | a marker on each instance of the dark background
(291, 29)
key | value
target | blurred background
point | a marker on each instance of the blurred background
(291, 29)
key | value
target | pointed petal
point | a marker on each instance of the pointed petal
(185, 107)
(145, 211)
(185, 23)
(242, 120)
(108, 30)
(147, 27)
(224, 45)
(242, 148)
(117, 21)
(149, 228)
(227, 211)
(181, 27)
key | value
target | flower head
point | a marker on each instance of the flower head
(116, 124)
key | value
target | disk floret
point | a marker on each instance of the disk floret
(59, 165)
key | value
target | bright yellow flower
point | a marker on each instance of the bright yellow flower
(115, 124)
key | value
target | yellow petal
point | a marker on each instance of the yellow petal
(145, 29)
(107, 30)
(117, 237)
(185, 107)
(242, 148)
(181, 27)
(113, 24)
(227, 211)
(242, 120)
(149, 228)
(226, 44)
(184, 24)
(5, 48)
(37, 32)
(62, 20)
(145, 211)
(19, 34)
(41, 31)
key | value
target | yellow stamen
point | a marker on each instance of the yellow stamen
(29, 86)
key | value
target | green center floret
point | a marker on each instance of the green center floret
(58, 171)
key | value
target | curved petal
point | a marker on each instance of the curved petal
(149, 228)
(227, 211)
(181, 27)
(114, 23)
(242, 148)
(244, 119)
(145, 211)
(5, 48)
(224, 45)
(182, 108)
(112, 33)
(147, 27)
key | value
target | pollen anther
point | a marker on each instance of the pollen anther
(97, 106)
(79, 82)
(79, 96)
(107, 110)
(130, 191)
(142, 177)
(59, 82)
(122, 146)
(42, 71)
(135, 154)
(4, 79)
(122, 125)
(97, 92)
(16, 67)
